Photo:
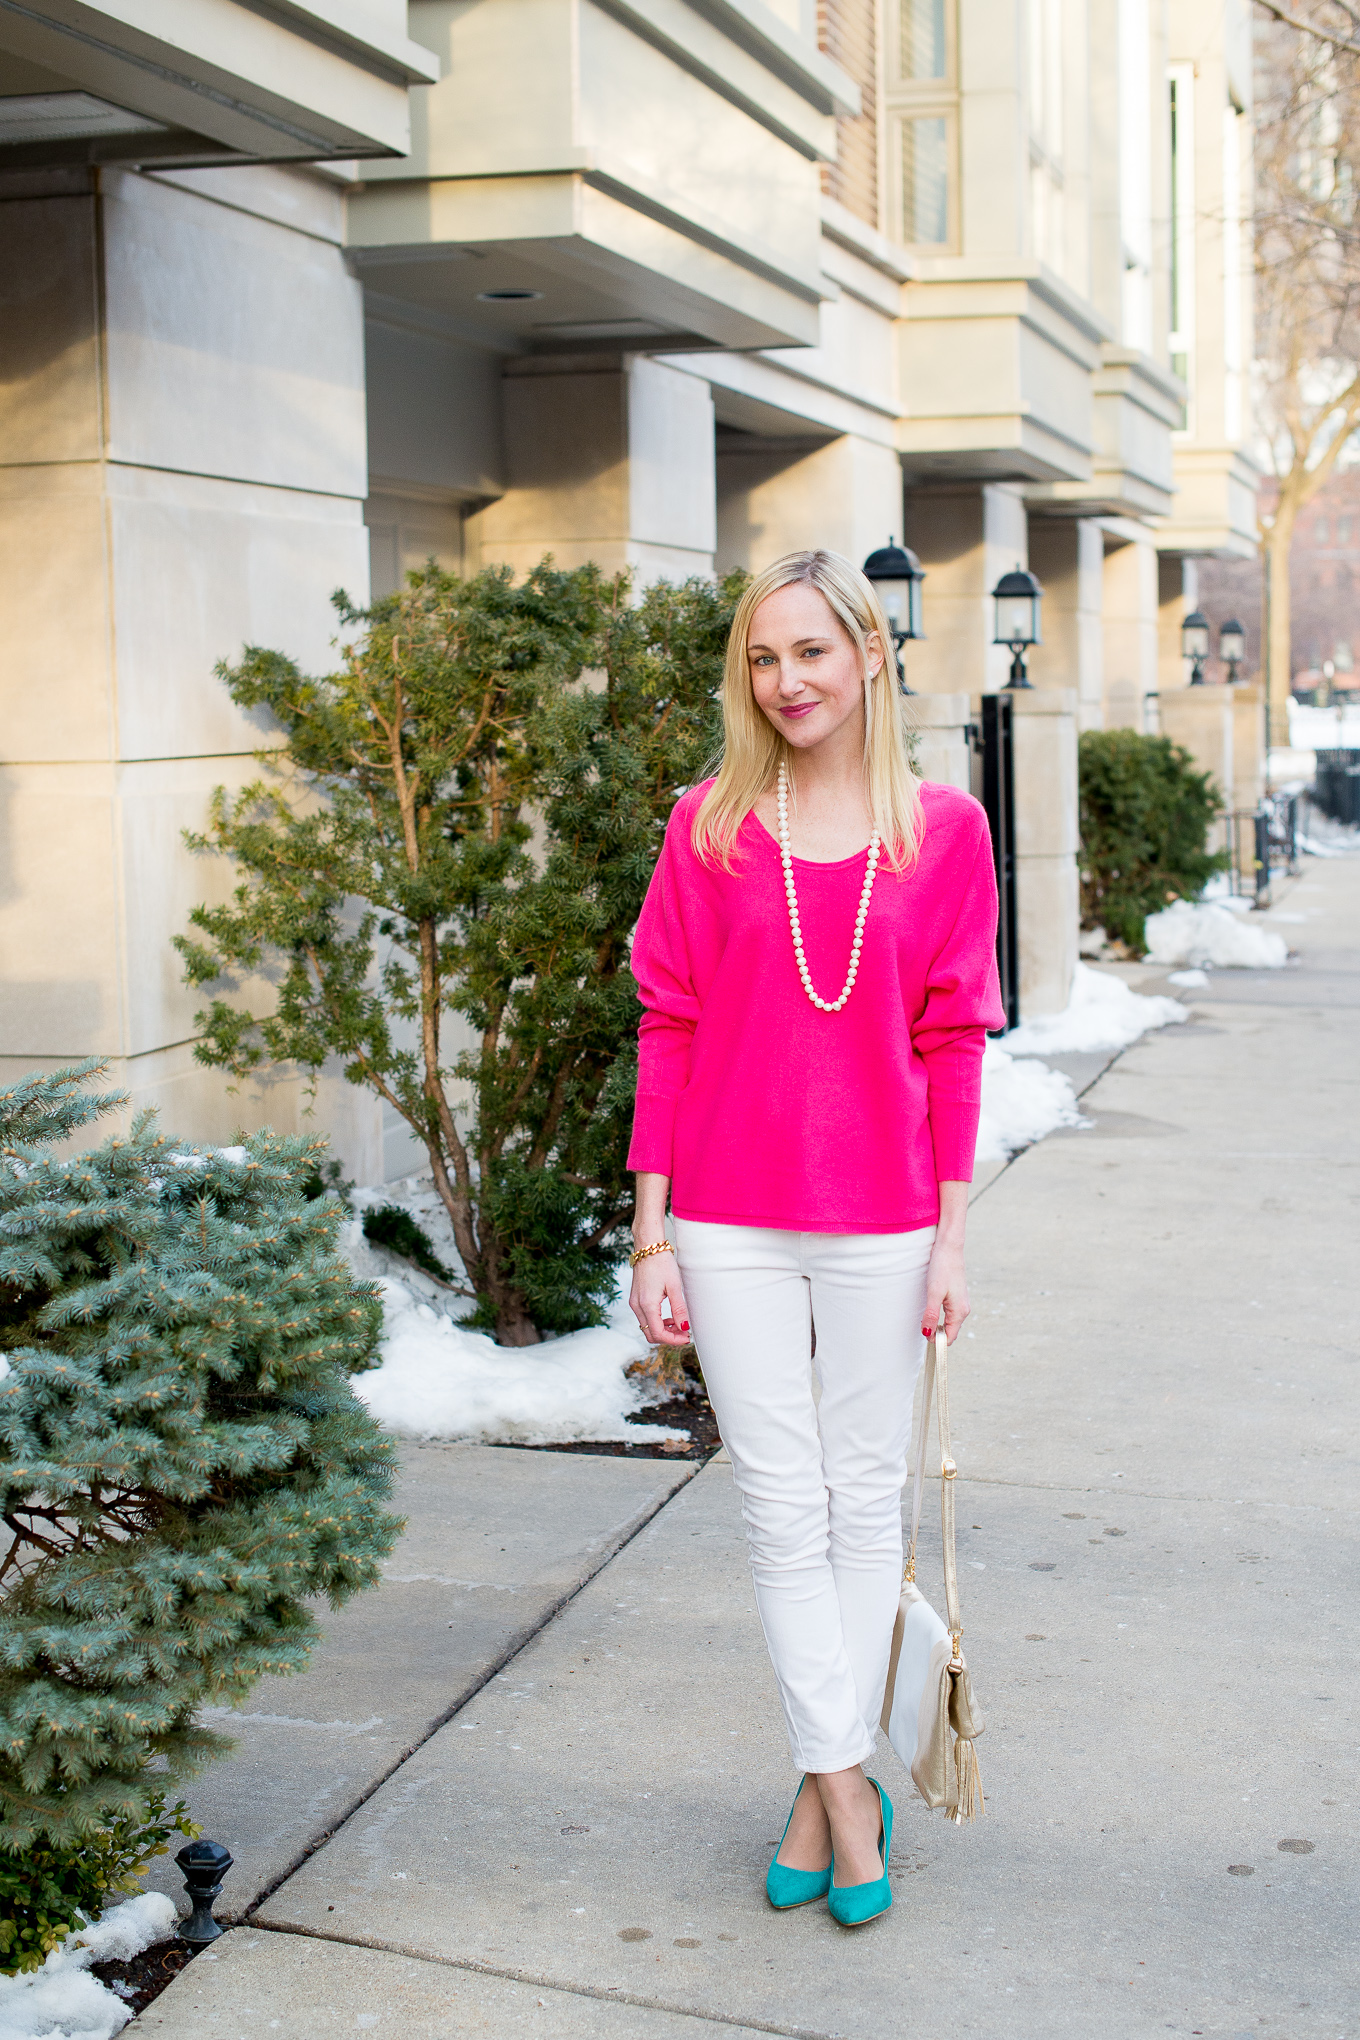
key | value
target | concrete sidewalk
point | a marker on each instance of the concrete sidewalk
(1155, 1421)
(495, 1543)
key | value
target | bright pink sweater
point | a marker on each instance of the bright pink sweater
(763, 1110)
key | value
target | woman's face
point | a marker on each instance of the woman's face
(805, 670)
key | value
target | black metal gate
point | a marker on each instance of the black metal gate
(998, 798)
(1337, 792)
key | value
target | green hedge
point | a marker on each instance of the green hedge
(1145, 819)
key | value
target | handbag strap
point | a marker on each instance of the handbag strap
(935, 1387)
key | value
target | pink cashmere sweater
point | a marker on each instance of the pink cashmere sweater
(761, 1109)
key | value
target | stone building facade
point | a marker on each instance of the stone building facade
(299, 294)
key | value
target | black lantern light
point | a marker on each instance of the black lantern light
(1195, 644)
(1017, 596)
(897, 575)
(1232, 646)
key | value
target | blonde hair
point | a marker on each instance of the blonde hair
(753, 749)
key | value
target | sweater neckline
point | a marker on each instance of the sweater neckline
(813, 863)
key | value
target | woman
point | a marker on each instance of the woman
(816, 957)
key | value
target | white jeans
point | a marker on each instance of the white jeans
(821, 1484)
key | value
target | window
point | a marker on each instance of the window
(922, 96)
(1233, 310)
(925, 54)
(1181, 338)
(1044, 78)
(1135, 172)
(1343, 533)
(925, 181)
(1321, 532)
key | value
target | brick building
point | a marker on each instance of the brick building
(1324, 582)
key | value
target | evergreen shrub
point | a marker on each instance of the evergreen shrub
(442, 871)
(387, 1225)
(47, 1890)
(1145, 819)
(183, 1465)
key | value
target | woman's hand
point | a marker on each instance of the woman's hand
(947, 1280)
(656, 1281)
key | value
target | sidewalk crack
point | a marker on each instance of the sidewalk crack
(510, 1650)
(539, 1982)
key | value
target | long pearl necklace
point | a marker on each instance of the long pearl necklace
(786, 857)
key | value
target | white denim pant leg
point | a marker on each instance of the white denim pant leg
(820, 1486)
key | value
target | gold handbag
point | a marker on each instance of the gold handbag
(928, 1701)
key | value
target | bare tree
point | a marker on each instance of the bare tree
(1331, 22)
(1307, 283)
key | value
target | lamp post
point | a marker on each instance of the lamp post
(897, 574)
(1232, 647)
(1195, 644)
(1017, 596)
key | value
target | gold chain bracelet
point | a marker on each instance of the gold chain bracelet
(641, 1253)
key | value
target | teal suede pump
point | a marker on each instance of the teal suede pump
(786, 1888)
(853, 1905)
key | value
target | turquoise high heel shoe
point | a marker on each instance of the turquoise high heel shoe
(853, 1905)
(786, 1888)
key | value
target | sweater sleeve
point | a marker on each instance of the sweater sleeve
(963, 1000)
(665, 981)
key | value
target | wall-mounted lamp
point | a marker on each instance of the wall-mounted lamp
(1195, 644)
(1017, 596)
(1232, 646)
(897, 575)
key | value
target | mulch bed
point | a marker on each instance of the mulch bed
(673, 1373)
(145, 1977)
(684, 1413)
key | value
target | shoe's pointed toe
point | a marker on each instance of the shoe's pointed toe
(786, 1888)
(854, 1905)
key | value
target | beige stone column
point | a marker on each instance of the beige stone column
(1200, 719)
(1249, 743)
(966, 538)
(773, 499)
(1249, 767)
(1177, 595)
(1067, 554)
(940, 723)
(181, 474)
(1131, 625)
(1048, 907)
(608, 459)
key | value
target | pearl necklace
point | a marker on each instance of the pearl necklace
(786, 857)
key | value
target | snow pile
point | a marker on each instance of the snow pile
(1021, 1102)
(1322, 836)
(1210, 934)
(1102, 1013)
(439, 1381)
(1323, 729)
(59, 2001)
(417, 1196)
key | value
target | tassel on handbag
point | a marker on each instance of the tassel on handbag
(928, 1703)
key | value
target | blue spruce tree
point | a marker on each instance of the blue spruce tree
(184, 1462)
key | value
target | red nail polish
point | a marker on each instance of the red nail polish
(685, 1326)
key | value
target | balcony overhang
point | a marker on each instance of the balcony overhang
(1137, 406)
(603, 261)
(205, 81)
(1023, 343)
(1214, 511)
